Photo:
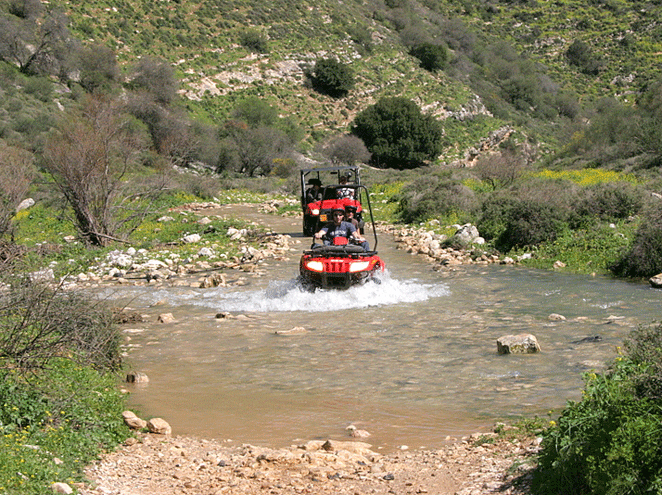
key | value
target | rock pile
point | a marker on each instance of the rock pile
(145, 267)
(433, 245)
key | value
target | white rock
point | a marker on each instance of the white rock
(25, 204)
(191, 238)
(61, 488)
(159, 426)
(205, 251)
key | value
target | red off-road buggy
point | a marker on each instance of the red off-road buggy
(343, 264)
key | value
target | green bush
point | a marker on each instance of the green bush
(644, 258)
(645, 350)
(530, 223)
(580, 55)
(432, 57)
(254, 40)
(611, 201)
(332, 77)
(608, 443)
(397, 134)
(431, 197)
(494, 215)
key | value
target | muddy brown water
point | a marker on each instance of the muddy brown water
(412, 360)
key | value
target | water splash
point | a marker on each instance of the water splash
(290, 295)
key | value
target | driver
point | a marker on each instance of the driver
(340, 228)
(314, 193)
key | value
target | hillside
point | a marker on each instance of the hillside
(203, 42)
(508, 66)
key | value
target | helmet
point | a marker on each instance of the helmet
(351, 208)
(339, 210)
(314, 182)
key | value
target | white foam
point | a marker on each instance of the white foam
(289, 295)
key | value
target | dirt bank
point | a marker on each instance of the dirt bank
(158, 464)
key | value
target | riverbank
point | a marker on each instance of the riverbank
(479, 464)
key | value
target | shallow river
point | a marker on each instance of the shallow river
(412, 360)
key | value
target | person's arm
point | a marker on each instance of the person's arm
(321, 233)
(353, 232)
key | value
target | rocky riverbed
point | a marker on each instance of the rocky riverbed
(161, 464)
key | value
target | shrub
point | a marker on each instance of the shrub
(397, 134)
(644, 258)
(40, 323)
(431, 197)
(530, 223)
(332, 77)
(609, 442)
(156, 77)
(494, 215)
(501, 169)
(432, 57)
(254, 40)
(98, 68)
(581, 55)
(611, 201)
(644, 348)
(348, 149)
(16, 173)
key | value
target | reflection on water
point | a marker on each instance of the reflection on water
(411, 360)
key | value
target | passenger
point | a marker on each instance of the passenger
(350, 216)
(314, 193)
(344, 192)
(340, 228)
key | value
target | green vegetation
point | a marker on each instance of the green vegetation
(332, 77)
(397, 134)
(60, 406)
(608, 443)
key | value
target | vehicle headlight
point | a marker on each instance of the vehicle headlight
(315, 266)
(358, 266)
(315, 211)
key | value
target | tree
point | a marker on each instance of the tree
(332, 77)
(16, 173)
(500, 169)
(580, 55)
(98, 68)
(35, 43)
(397, 134)
(254, 40)
(155, 77)
(348, 149)
(89, 155)
(252, 151)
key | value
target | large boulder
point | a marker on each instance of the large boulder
(518, 344)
